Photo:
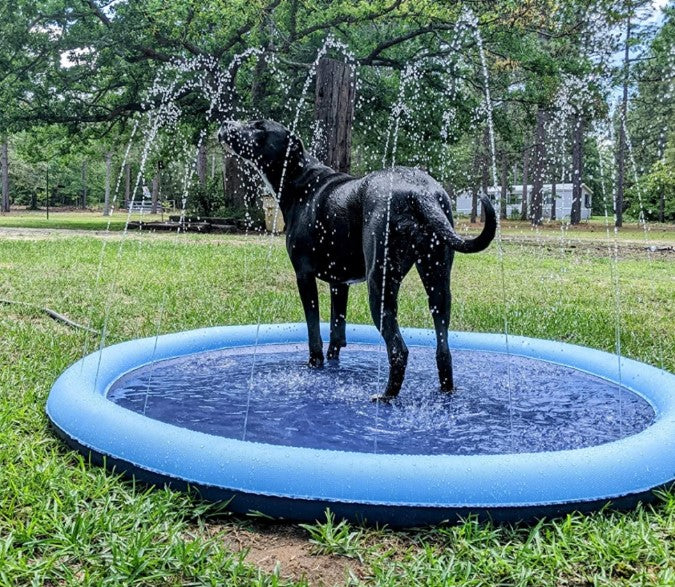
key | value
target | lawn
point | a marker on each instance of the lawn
(653, 233)
(73, 219)
(63, 521)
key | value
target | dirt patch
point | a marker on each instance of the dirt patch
(555, 226)
(25, 233)
(287, 550)
(597, 248)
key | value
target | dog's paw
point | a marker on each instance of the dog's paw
(447, 387)
(316, 361)
(333, 352)
(382, 398)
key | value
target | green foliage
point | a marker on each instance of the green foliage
(81, 71)
(48, 156)
(654, 190)
(335, 537)
(651, 115)
(207, 200)
(599, 162)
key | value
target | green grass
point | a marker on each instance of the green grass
(73, 220)
(63, 521)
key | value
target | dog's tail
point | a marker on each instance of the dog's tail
(440, 224)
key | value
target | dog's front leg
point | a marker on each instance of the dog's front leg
(339, 293)
(310, 303)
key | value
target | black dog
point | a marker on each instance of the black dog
(344, 230)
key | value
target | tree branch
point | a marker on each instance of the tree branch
(375, 53)
(242, 30)
(99, 13)
(344, 19)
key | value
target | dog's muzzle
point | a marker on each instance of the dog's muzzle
(237, 139)
(231, 134)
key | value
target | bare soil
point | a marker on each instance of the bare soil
(285, 549)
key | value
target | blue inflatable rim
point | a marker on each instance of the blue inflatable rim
(299, 483)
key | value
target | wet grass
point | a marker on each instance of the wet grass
(63, 521)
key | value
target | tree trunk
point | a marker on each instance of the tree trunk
(259, 82)
(237, 184)
(662, 188)
(621, 155)
(474, 204)
(504, 187)
(334, 112)
(201, 164)
(553, 195)
(108, 169)
(539, 167)
(485, 180)
(127, 185)
(450, 188)
(261, 77)
(474, 182)
(5, 176)
(47, 192)
(293, 20)
(84, 184)
(485, 170)
(223, 162)
(577, 166)
(526, 170)
(155, 193)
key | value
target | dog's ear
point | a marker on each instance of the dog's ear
(295, 144)
(296, 150)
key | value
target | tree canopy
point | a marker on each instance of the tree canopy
(90, 66)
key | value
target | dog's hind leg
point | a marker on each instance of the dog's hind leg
(338, 316)
(384, 310)
(435, 275)
(310, 303)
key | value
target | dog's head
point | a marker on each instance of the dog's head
(268, 145)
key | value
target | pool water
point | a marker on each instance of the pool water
(502, 403)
